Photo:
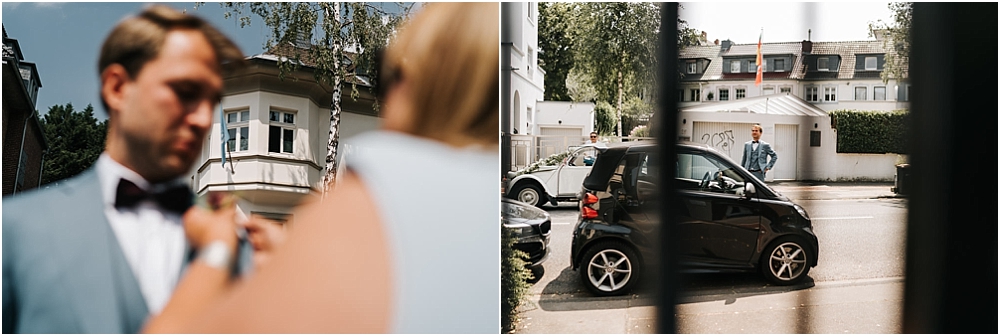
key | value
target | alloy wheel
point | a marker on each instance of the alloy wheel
(787, 261)
(609, 270)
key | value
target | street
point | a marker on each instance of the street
(856, 287)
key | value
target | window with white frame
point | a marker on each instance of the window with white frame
(752, 67)
(531, 61)
(281, 132)
(823, 64)
(238, 127)
(860, 93)
(692, 67)
(812, 94)
(785, 89)
(741, 93)
(779, 65)
(830, 93)
(768, 90)
(695, 94)
(879, 93)
(871, 63)
(734, 66)
(723, 94)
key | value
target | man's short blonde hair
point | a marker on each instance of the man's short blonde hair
(137, 40)
(757, 127)
(449, 56)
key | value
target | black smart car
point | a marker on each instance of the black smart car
(728, 220)
(530, 227)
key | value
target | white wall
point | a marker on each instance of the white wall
(527, 82)
(814, 163)
(564, 114)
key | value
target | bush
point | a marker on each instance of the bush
(514, 278)
(874, 132)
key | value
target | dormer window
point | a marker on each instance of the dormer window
(823, 64)
(734, 66)
(692, 67)
(871, 63)
(752, 67)
(779, 65)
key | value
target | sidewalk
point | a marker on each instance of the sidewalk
(796, 190)
(851, 306)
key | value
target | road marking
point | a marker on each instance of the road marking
(836, 218)
(570, 223)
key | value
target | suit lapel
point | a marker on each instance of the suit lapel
(108, 298)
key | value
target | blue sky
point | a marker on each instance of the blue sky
(63, 40)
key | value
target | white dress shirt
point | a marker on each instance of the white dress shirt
(753, 145)
(151, 238)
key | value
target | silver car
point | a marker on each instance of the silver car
(556, 183)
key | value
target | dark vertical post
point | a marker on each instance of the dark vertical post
(666, 118)
(951, 247)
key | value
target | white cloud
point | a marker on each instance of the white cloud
(55, 5)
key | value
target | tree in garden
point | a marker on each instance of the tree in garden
(897, 40)
(617, 45)
(323, 33)
(555, 47)
(75, 138)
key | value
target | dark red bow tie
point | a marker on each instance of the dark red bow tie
(176, 198)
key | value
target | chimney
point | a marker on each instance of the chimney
(807, 47)
(726, 44)
(716, 41)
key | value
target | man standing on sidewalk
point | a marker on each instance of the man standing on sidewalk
(755, 154)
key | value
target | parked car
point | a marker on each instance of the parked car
(530, 227)
(727, 220)
(558, 183)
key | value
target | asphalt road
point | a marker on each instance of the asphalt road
(862, 246)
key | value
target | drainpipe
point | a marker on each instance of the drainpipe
(24, 131)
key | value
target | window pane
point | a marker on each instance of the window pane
(871, 63)
(823, 63)
(723, 94)
(779, 65)
(274, 116)
(231, 117)
(752, 67)
(786, 90)
(734, 66)
(244, 115)
(288, 140)
(692, 68)
(289, 118)
(768, 91)
(741, 93)
(879, 93)
(860, 93)
(244, 138)
(231, 144)
(274, 139)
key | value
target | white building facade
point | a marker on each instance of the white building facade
(527, 80)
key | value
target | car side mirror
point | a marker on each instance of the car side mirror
(749, 190)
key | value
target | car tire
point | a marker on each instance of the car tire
(786, 261)
(610, 268)
(530, 194)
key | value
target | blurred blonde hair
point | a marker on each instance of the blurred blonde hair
(449, 56)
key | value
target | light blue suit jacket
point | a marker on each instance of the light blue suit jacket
(63, 270)
(763, 151)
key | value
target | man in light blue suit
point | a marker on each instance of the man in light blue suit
(103, 251)
(756, 153)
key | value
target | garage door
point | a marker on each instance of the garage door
(557, 139)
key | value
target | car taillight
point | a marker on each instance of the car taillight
(587, 210)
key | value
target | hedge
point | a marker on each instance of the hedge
(876, 132)
(514, 276)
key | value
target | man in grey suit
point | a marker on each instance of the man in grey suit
(102, 251)
(756, 153)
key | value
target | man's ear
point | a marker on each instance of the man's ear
(113, 80)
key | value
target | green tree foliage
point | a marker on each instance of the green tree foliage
(874, 132)
(604, 115)
(75, 138)
(514, 278)
(331, 30)
(897, 40)
(555, 47)
(617, 45)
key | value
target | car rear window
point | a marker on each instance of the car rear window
(604, 168)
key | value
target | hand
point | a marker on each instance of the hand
(202, 226)
(265, 236)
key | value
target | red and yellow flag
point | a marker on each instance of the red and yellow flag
(760, 62)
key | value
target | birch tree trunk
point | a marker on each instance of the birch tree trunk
(619, 111)
(332, 10)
